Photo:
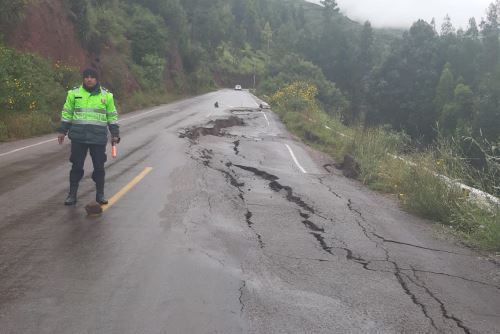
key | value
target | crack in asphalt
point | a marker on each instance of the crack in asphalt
(329, 188)
(235, 148)
(309, 224)
(206, 156)
(416, 246)
(398, 272)
(455, 276)
(413, 297)
(248, 217)
(258, 172)
(349, 205)
(443, 309)
(317, 232)
(300, 258)
(385, 240)
(243, 286)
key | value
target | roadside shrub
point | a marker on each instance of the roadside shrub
(32, 90)
(113, 70)
(298, 96)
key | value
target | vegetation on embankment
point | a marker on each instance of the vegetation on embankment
(412, 176)
(33, 89)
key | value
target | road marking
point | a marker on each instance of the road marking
(116, 197)
(295, 159)
(25, 147)
(263, 113)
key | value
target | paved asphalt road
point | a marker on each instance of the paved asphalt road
(244, 232)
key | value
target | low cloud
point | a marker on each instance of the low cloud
(403, 13)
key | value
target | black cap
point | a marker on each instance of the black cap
(90, 72)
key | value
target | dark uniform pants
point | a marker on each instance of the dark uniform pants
(77, 158)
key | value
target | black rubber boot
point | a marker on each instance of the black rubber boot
(71, 199)
(99, 198)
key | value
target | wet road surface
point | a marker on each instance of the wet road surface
(234, 227)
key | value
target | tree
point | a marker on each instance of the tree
(267, 35)
(472, 30)
(330, 8)
(402, 89)
(447, 28)
(487, 114)
(12, 11)
(148, 35)
(490, 33)
(444, 89)
(456, 115)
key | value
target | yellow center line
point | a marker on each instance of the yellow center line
(116, 197)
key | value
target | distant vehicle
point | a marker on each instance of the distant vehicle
(237, 87)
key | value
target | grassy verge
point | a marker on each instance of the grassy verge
(416, 184)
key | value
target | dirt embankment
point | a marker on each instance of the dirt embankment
(48, 31)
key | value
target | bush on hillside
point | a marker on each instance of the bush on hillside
(32, 92)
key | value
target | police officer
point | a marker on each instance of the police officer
(87, 115)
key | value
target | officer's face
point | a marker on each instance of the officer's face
(90, 81)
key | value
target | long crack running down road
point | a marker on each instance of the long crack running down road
(237, 228)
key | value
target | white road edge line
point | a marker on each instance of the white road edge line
(25, 147)
(48, 141)
(295, 159)
(263, 113)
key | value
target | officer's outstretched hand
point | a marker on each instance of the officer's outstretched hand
(115, 140)
(60, 138)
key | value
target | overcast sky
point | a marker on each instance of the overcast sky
(402, 13)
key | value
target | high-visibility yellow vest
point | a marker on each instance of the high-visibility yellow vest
(88, 115)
